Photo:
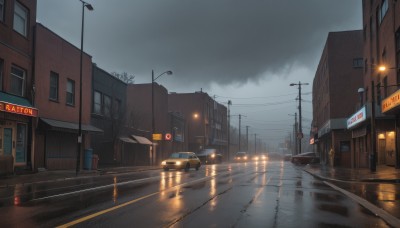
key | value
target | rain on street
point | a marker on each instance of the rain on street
(252, 194)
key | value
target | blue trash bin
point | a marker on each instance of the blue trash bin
(88, 159)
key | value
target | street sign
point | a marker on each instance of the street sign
(157, 137)
(168, 136)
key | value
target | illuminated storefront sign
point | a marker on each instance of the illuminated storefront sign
(17, 109)
(391, 102)
(357, 118)
(157, 137)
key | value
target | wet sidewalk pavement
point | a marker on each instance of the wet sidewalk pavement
(384, 174)
(49, 176)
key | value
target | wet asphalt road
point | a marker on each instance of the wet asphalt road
(263, 194)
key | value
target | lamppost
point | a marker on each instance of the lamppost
(153, 125)
(300, 133)
(78, 156)
(229, 128)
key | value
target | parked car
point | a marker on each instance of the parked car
(241, 157)
(181, 160)
(260, 157)
(209, 156)
(287, 157)
(305, 158)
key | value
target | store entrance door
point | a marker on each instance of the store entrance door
(7, 141)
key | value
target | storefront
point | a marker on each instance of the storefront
(358, 125)
(390, 139)
(16, 114)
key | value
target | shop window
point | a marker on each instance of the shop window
(17, 81)
(70, 92)
(20, 19)
(53, 86)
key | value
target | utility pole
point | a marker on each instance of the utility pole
(240, 119)
(255, 143)
(300, 133)
(229, 128)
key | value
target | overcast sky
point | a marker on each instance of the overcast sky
(246, 51)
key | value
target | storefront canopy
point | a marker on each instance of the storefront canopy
(142, 140)
(68, 126)
(127, 140)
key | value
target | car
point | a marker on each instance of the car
(305, 158)
(241, 157)
(260, 157)
(287, 157)
(181, 160)
(209, 156)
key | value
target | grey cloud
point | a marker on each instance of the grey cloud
(221, 41)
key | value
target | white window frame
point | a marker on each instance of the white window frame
(107, 106)
(97, 106)
(70, 91)
(52, 73)
(21, 13)
(18, 77)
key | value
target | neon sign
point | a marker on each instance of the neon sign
(17, 109)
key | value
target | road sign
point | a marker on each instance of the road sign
(157, 137)
(168, 136)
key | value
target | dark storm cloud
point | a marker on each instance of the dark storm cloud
(222, 41)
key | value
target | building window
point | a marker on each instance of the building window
(1, 74)
(107, 106)
(117, 107)
(20, 19)
(358, 63)
(53, 86)
(70, 92)
(17, 81)
(1, 10)
(97, 103)
(383, 10)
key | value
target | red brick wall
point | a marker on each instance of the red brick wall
(55, 54)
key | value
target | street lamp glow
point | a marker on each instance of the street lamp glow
(382, 68)
(195, 116)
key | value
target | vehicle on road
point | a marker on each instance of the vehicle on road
(260, 157)
(241, 157)
(181, 160)
(287, 157)
(305, 158)
(209, 156)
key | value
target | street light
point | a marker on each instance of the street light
(153, 125)
(300, 136)
(78, 156)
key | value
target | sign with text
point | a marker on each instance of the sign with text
(17, 109)
(157, 137)
(391, 101)
(357, 118)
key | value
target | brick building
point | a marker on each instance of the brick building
(56, 80)
(381, 20)
(17, 115)
(337, 79)
(206, 120)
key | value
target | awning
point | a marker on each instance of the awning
(62, 125)
(15, 100)
(127, 140)
(142, 140)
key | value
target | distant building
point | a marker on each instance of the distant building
(335, 98)
(206, 121)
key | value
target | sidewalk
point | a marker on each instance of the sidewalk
(49, 176)
(384, 174)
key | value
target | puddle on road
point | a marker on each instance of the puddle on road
(335, 209)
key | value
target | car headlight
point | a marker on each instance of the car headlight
(163, 163)
(212, 155)
(245, 158)
(178, 163)
(255, 158)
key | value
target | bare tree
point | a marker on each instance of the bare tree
(125, 77)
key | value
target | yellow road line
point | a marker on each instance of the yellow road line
(83, 219)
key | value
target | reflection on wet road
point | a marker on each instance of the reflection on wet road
(253, 194)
